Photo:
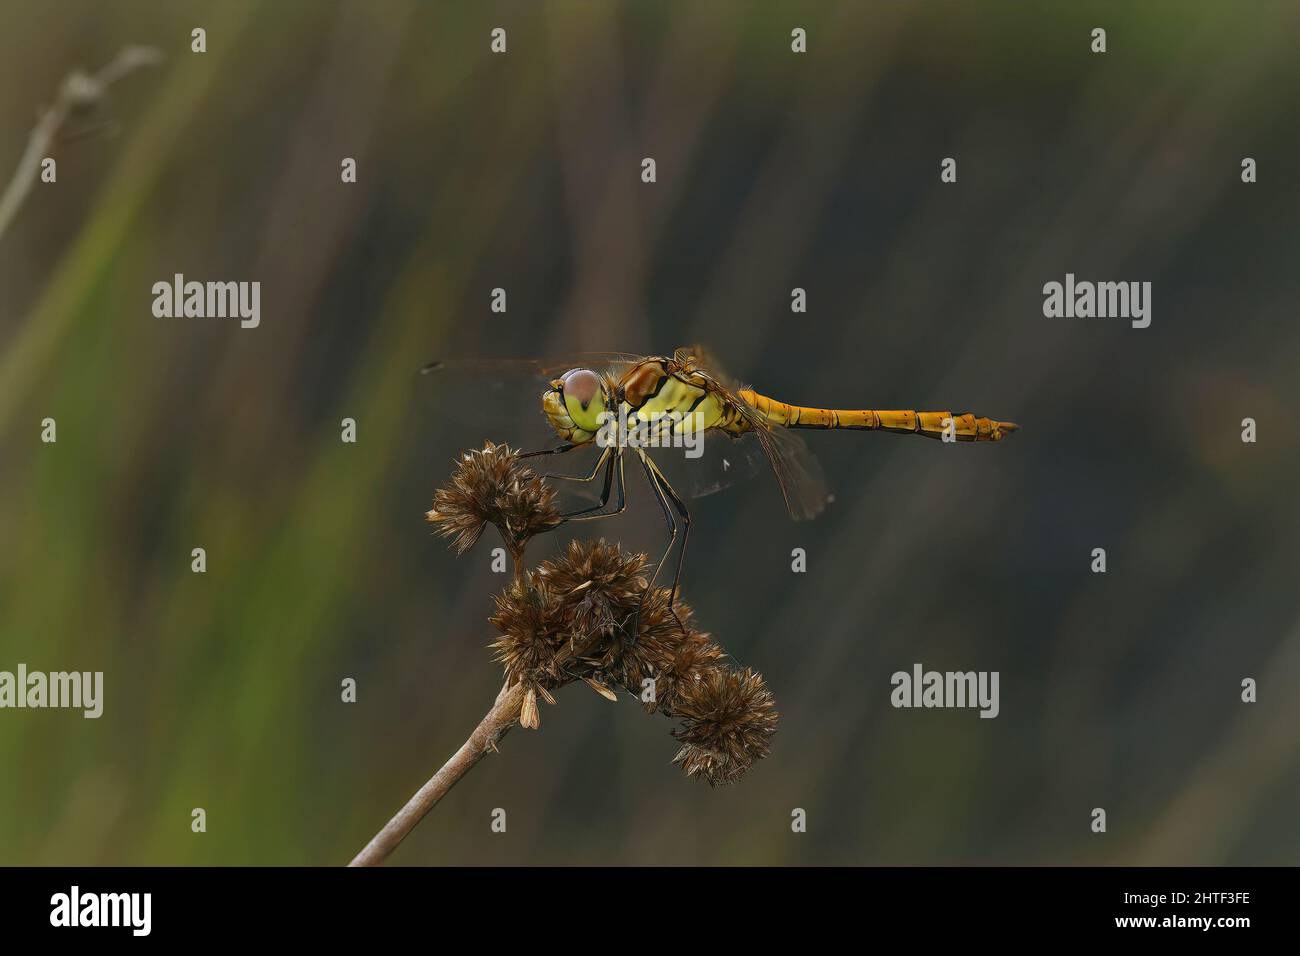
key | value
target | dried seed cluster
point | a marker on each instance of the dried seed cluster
(575, 617)
(491, 486)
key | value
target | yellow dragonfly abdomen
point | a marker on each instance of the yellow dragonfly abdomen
(965, 427)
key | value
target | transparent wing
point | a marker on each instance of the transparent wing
(503, 395)
(543, 368)
(472, 402)
(723, 462)
(797, 470)
(726, 461)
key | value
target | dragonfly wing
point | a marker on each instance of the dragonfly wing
(469, 402)
(503, 395)
(541, 368)
(797, 472)
(727, 461)
(722, 463)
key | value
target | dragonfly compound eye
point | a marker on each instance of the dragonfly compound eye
(584, 397)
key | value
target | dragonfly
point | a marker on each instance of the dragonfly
(628, 405)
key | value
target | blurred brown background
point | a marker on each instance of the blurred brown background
(774, 171)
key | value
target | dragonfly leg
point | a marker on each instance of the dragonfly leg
(613, 476)
(663, 494)
(600, 463)
(686, 534)
(604, 461)
(558, 450)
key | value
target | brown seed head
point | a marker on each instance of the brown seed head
(570, 620)
(662, 651)
(729, 720)
(598, 585)
(532, 633)
(491, 486)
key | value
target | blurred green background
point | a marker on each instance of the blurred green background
(774, 171)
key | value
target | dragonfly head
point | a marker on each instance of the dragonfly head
(574, 404)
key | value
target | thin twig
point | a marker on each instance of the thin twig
(77, 90)
(503, 715)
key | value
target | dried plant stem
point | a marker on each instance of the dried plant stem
(517, 556)
(503, 715)
(77, 89)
